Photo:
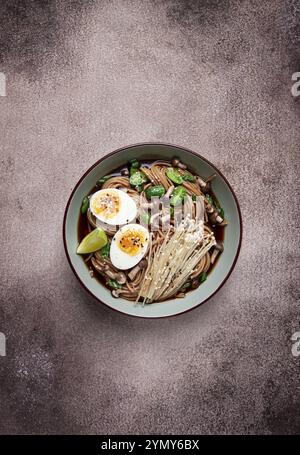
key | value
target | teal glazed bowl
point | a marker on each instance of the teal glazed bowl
(232, 240)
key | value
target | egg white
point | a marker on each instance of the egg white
(127, 212)
(119, 258)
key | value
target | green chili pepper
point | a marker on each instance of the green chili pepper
(202, 277)
(85, 205)
(174, 175)
(105, 250)
(178, 195)
(103, 180)
(113, 284)
(133, 170)
(155, 191)
(187, 177)
(137, 178)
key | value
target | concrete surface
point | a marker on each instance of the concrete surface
(84, 78)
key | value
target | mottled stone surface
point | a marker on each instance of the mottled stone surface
(84, 78)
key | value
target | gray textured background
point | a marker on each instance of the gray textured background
(84, 78)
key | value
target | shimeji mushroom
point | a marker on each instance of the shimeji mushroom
(140, 266)
(179, 164)
(205, 185)
(105, 270)
(195, 283)
(126, 294)
(218, 248)
(116, 292)
(119, 277)
(213, 213)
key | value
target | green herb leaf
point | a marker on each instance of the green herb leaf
(105, 250)
(215, 203)
(133, 170)
(221, 213)
(85, 205)
(134, 163)
(103, 180)
(209, 199)
(113, 284)
(202, 277)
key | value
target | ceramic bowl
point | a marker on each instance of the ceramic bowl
(154, 151)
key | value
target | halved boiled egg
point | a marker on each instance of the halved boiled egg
(129, 246)
(113, 206)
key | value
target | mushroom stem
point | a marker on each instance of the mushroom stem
(204, 185)
(120, 277)
(214, 256)
(215, 217)
(218, 248)
(177, 163)
(210, 178)
(116, 292)
(201, 183)
(213, 213)
(97, 266)
(141, 265)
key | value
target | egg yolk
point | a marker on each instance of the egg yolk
(107, 205)
(131, 242)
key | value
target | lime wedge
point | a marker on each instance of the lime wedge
(94, 241)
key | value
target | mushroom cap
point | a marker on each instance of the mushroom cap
(120, 278)
(208, 186)
(213, 217)
(195, 283)
(115, 293)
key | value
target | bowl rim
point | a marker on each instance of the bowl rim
(139, 144)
